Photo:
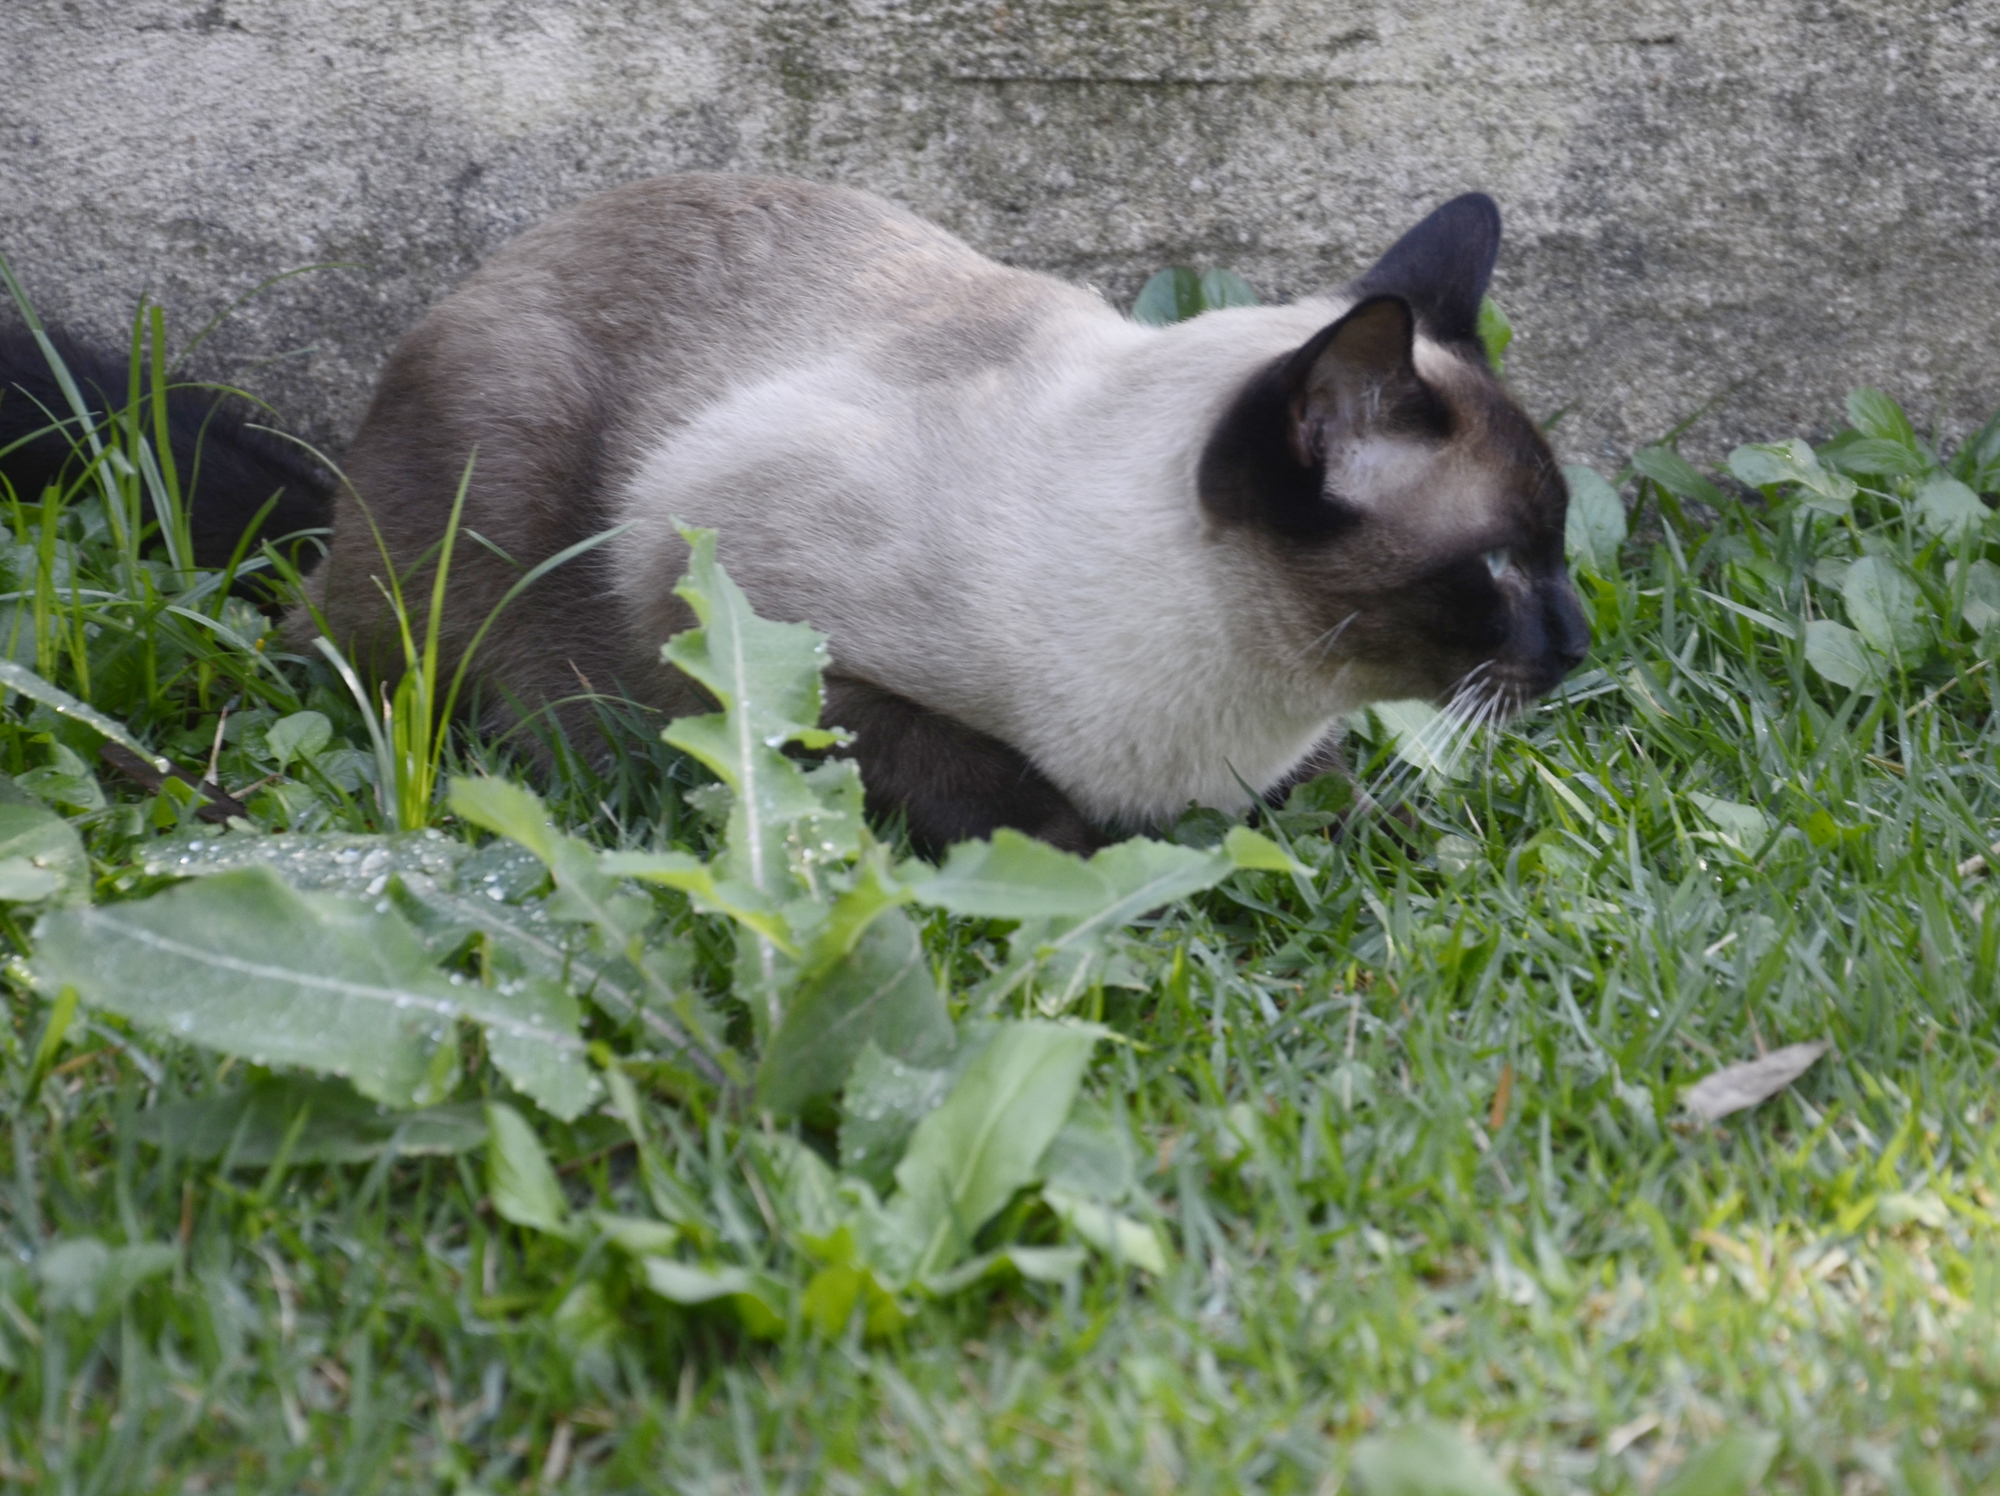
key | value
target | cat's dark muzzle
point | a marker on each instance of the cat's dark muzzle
(1547, 636)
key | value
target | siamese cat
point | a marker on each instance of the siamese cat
(1076, 572)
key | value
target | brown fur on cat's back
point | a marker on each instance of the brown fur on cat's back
(583, 342)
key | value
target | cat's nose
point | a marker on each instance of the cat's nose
(1569, 630)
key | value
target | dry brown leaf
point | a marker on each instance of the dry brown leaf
(1734, 1087)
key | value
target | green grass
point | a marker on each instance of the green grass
(1410, 1124)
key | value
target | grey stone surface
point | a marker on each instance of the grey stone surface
(1755, 205)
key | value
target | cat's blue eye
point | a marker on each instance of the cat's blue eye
(1497, 562)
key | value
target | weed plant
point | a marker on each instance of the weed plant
(1383, 1133)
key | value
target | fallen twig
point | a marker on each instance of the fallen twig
(219, 805)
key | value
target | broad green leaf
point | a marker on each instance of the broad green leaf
(1012, 876)
(1882, 605)
(1495, 333)
(1746, 823)
(1221, 288)
(881, 991)
(1872, 457)
(242, 963)
(636, 1234)
(1733, 1465)
(1874, 414)
(1793, 462)
(1424, 1459)
(837, 1289)
(587, 1331)
(1070, 908)
(1947, 507)
(17, 677)
(518, 1177)
(1036, 1264)
(519, 1015)
(83, 1275)
(41, 857)
(757, 1298)
(301, 735)
(1841, 657)
(1170, 296)
(880, 1106)
(344, 862)
(670, 1198)
(1976, 463)
(1981, 607)
(1091, 1158)
(1677, 476)
(248, 1125)
(1595, 526)
(1117, 1236)
(1249, 850)
(967, 1158)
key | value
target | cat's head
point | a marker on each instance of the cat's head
(1408, 510)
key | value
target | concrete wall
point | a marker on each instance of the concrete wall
(1761, 204)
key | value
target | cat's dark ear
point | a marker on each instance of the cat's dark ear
(1442, 267)
(1359, 376)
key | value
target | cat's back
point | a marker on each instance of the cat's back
(696, 283)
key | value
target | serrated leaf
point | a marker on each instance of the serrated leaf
(967, 1158)
(1595, 526)
(1840, 656)
(1736, 1087)
(505, 809)
(881, 991)
(41, 856)
(518, 1177)
(250, 1124)
(767, 677)
(746, 905)
(1733, 1465)
(1169, 296)
(1882, 605)
(1948, 508)
(243, 963)
(1424, 1459)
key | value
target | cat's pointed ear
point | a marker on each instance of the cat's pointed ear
(1442, 267)
(1355, 376)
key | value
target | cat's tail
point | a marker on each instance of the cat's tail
(227, 470)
